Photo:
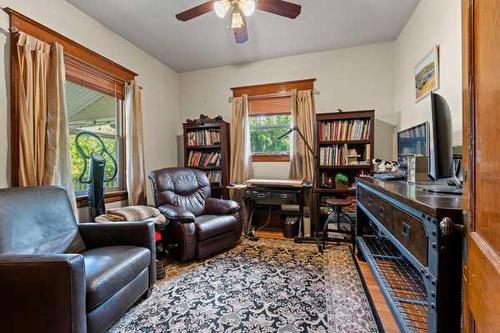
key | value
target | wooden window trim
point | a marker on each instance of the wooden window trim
(269, 89)
(93, 78)
(270, 158)
(84, 67)
(113, 196)
(19, 22)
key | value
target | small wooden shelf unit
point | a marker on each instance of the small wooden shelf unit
(204, 149)
(361, 140)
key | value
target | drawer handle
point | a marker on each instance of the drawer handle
(261, 195)
(406, 230)
(382, 211)
(284, 196)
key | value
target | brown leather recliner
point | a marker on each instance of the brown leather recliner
(200, 225)
(60, 276)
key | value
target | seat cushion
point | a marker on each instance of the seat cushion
(109, 269)
(208, 226)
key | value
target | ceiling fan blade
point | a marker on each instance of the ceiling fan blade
(280, 7)
(241, 35)
(195, 11)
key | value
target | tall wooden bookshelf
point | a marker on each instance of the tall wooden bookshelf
(344, 144)
(207, 148)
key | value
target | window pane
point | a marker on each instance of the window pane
(265, 131)
(95, 112)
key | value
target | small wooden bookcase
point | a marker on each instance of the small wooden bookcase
(344, 144)
(207, 148)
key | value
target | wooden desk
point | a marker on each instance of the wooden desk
(272, 194)
(412, 242)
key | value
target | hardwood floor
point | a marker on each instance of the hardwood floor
(381, 306)
(270, 234)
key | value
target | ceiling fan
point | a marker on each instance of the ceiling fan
(238, 10)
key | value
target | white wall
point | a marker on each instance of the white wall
(160, 83)
(355, 78)
(433, 22)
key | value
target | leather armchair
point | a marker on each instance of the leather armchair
(58, 276)
(200, 225)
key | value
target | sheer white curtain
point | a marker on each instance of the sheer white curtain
(44, 157)
(134, 145)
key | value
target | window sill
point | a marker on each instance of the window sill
(270, 158)
(114, 196)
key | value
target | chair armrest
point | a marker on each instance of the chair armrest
(141, 234)
(42, 293)
(176, 213)
(97, 235)
(221, 207)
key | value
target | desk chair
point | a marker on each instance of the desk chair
(335, 218)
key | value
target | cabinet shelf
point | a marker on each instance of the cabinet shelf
(222, 148)
(401, 284)
(341, 142)
(340, 167)
(203, 147)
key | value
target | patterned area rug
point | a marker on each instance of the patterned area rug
(264, 286)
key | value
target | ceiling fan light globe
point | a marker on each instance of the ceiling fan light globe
(220, 8)
(249, 7)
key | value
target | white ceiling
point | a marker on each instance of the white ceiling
(205, 42)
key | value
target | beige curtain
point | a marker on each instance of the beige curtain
(44, 157)
(134, 145)
(302, 161)
(241, 155)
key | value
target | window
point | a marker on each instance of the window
(92, 111)
(95, 92)
(270, 117)
(265, 131)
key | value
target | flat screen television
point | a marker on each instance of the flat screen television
(413, 141)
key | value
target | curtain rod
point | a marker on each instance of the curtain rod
(281, 94)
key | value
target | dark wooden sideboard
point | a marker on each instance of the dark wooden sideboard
(412, 241)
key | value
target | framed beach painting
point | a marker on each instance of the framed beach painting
(427, 74)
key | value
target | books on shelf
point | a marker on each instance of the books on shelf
(203, 138)
(342, 155)
(345, 130)
(200, 159)
(214, 176)
(333, 156)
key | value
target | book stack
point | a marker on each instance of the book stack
(203, 138)
(214, 176)
(353, 156)
(345, 130)
(334, 156)
(199, 159)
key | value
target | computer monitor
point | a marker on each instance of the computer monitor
(413, 141)
(441, 152)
